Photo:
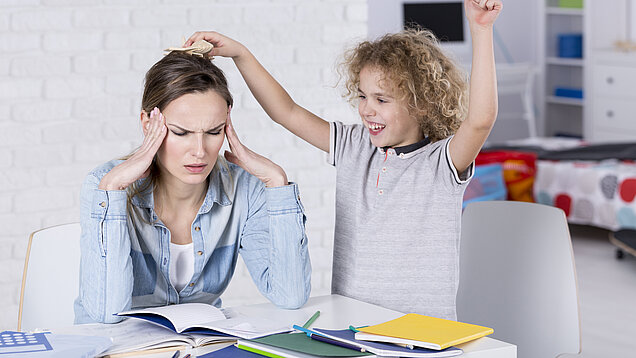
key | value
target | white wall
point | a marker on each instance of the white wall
(71, 76)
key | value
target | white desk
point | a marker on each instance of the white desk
(337, 312)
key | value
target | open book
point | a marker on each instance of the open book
(137, 335)
(206, 319)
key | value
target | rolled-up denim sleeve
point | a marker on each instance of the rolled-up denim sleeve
(274, 245)
(106, 274)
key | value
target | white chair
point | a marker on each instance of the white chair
(518, 80)
(50, 282)
(517, 275)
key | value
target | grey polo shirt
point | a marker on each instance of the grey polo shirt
(398, 217)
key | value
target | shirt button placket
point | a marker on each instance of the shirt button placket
(198, 229)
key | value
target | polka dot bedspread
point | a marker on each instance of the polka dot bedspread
(597, 193)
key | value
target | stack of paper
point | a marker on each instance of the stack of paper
(346, 336)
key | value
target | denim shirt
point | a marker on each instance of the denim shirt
(125, 260)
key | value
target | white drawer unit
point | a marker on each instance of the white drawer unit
(614, 114)
(617, 81)
(611, 115)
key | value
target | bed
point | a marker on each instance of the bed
(593, 184)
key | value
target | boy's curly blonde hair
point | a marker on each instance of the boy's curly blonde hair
(418, 73)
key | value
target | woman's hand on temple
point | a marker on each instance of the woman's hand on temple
(264, 169)
(138, 165)
(223, 45)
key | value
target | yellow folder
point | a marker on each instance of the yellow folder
(424, 331)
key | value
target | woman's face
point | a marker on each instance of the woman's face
(196, 130)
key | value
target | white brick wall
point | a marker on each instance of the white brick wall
(71, 75)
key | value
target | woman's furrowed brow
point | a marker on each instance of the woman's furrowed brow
(219, 127)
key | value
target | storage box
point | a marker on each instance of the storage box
(574, 4)
(568, 92)
(570, 45)
(518, 171)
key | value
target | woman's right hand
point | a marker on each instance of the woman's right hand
(223, 45)
(138, 165)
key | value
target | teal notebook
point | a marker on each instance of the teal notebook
(299, 342)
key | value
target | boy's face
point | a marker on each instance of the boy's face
(387, 119)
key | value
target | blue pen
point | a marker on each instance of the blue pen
(337, 343)
(302, 329)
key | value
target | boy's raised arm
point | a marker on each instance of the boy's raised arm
(482, 100)
(268, 92)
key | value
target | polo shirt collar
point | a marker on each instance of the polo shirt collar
(408, 148)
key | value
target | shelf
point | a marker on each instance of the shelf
(565, 100)
(553, 10)
(564, 61)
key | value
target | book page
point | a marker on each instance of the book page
(183, 315)
(130, 335)
(247, 327)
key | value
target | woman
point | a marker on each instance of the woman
(165, 225)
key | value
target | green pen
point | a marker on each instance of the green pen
(311, 320)
(356, 329)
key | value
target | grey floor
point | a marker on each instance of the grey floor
(607, 292)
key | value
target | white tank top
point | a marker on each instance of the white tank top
(181, 265)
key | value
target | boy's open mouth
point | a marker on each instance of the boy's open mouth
(375, 128)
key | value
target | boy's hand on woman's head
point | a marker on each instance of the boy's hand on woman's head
(264, 169)
(138, 165)
(223, 45)
(482, 12)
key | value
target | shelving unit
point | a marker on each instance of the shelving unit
(560, 115)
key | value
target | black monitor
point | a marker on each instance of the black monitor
(444, 19)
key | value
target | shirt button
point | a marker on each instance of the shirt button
(191, 284)
(401, 155)
(384, 170)
(380, 192)
(196, 228)
(102, 204)
(199, 253)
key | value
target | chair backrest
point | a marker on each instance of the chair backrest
(50, 281)
(518, 80)
(517, 275)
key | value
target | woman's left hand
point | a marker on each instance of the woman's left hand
(482, 13)
(264, 169)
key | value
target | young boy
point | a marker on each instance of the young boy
(401, 174)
